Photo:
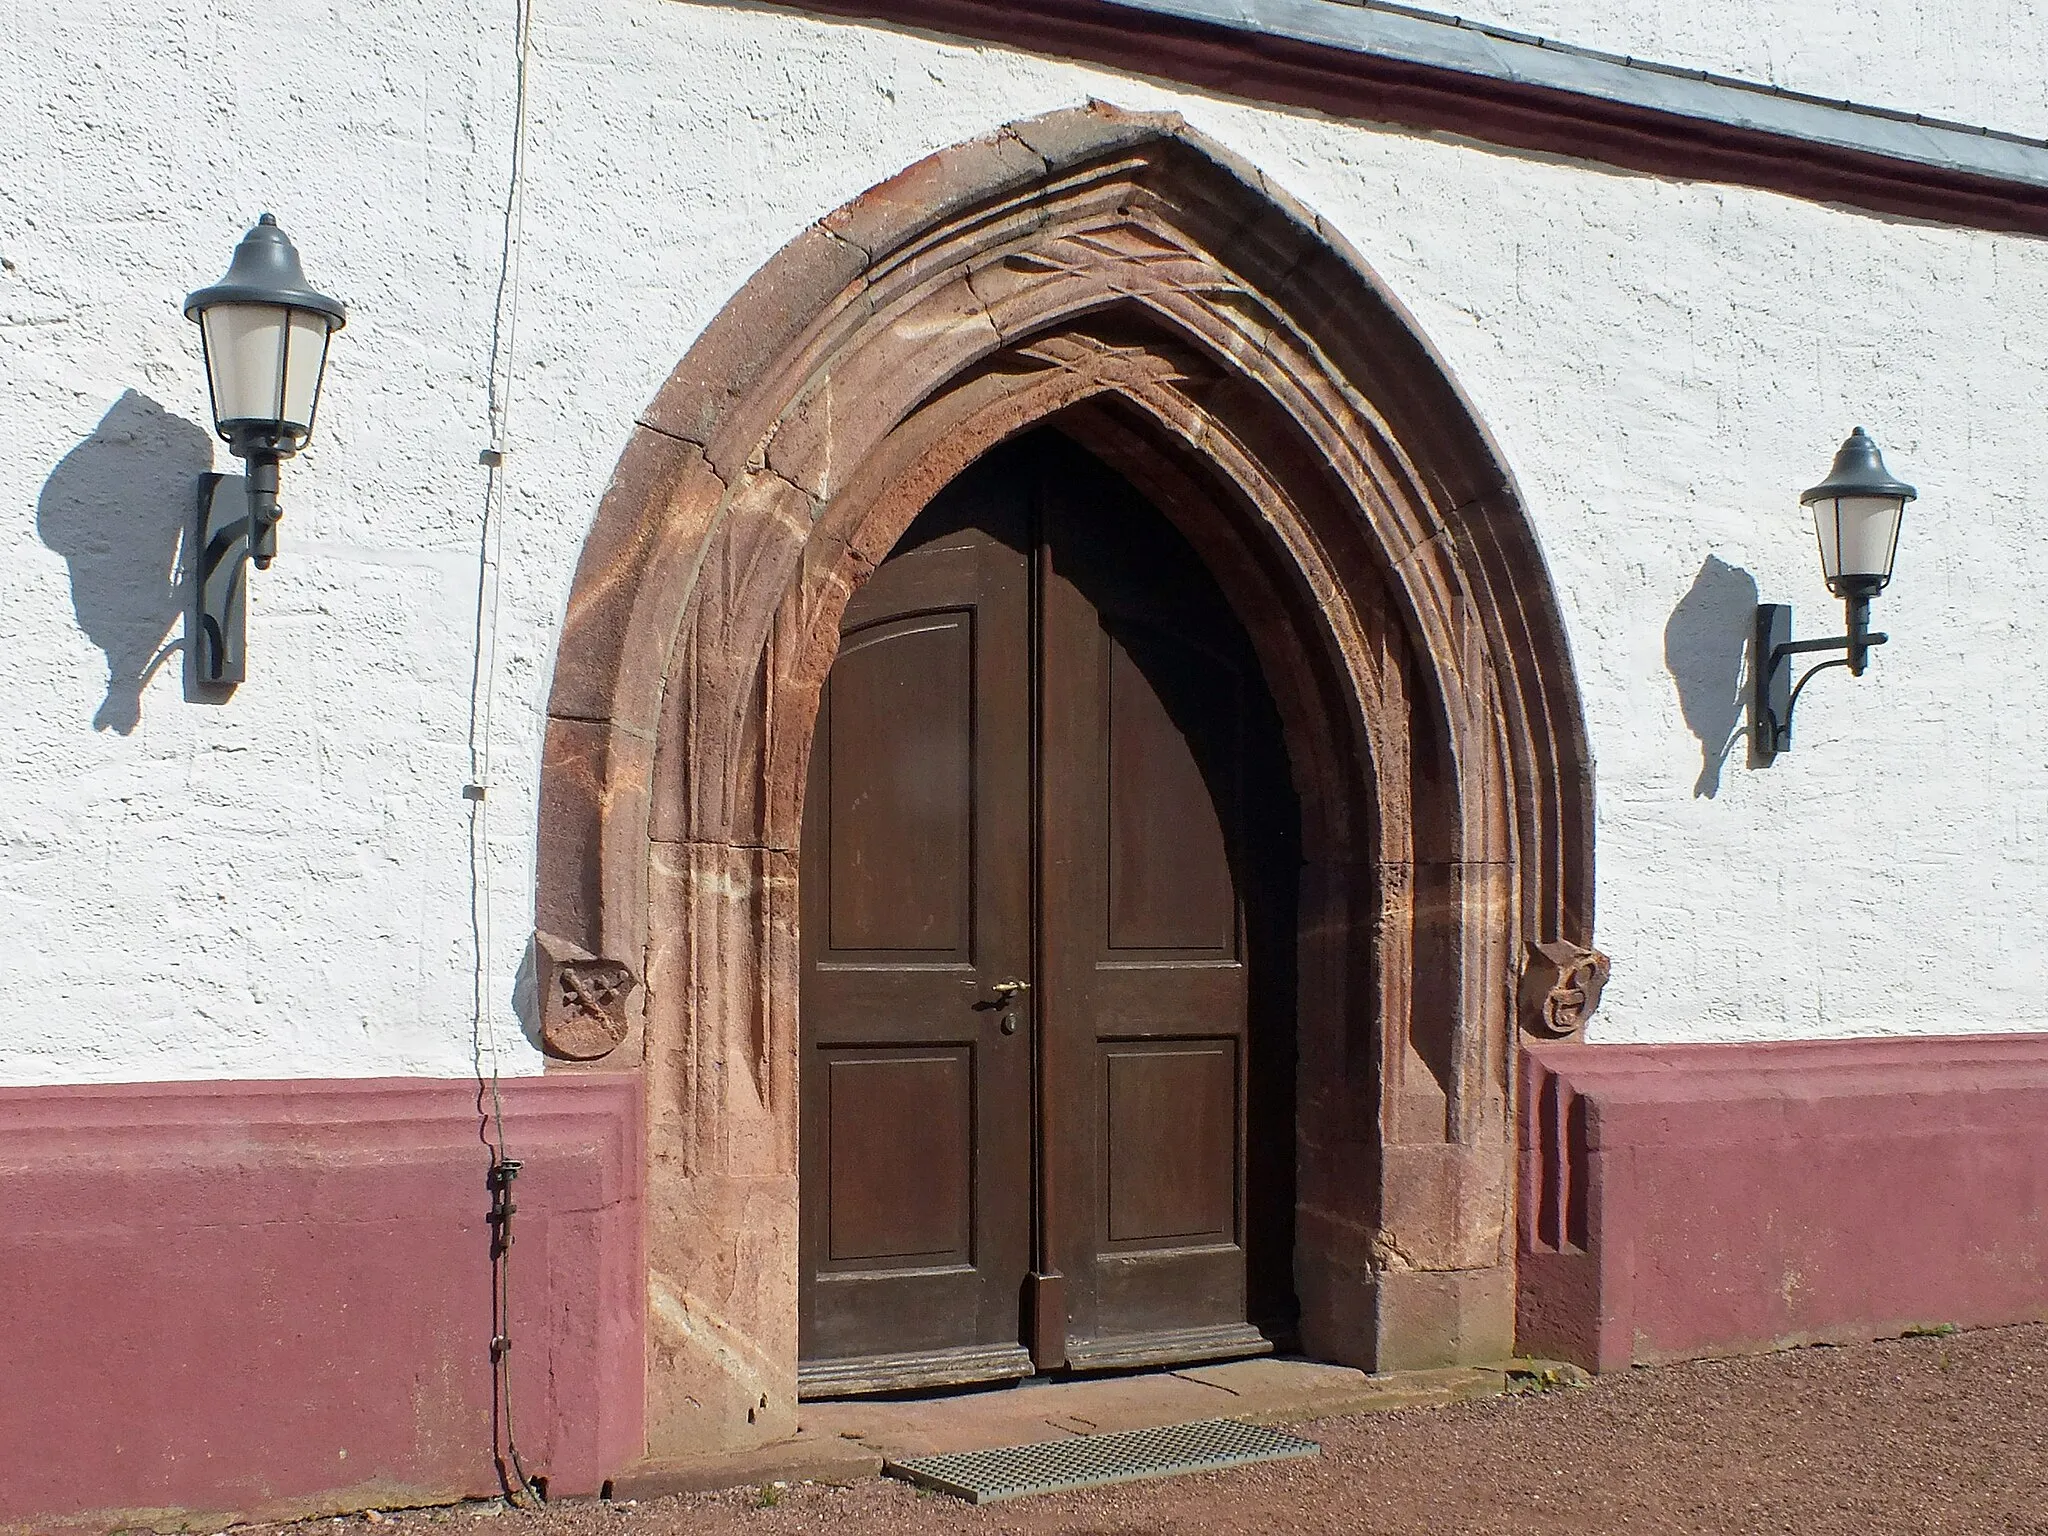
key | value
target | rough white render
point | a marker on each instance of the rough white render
(280, 886)
(1983, 62)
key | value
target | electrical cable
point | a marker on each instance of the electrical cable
(521, 1489)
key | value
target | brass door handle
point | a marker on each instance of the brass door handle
(1009, 989)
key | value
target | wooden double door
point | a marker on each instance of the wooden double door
(1048, 882)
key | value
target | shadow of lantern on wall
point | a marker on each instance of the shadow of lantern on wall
(1856, 516)
(264, 330)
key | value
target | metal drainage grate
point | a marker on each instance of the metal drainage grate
(1094, 1461)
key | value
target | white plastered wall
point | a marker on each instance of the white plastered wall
(280, 885)
(1983, 62)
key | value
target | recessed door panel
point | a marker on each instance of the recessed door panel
(1169, 869)
(901, 778)
(1170, 1134)
(900, 1188)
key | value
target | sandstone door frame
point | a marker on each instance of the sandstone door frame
(1223, 349)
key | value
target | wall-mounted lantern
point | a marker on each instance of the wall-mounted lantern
(264, 331)
(1856, 515)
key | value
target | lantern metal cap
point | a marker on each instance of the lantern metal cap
(266, 270)
(1859, 471)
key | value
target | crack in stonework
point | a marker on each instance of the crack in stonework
(817, 504)
(1007, 132)
(873, 257)
(1444, 531)
(721, 845)
(623, 728)
(848, 241)
(1388, 1254)
(677, 437)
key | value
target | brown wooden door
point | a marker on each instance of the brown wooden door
(1044, 755)
(915, 1164)
(1168, 852)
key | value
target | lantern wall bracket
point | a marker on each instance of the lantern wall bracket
(217, 642)
(1773, 695)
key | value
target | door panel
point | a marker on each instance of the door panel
(901, 780)
(900, 1188)
(1169, 874)
(1169, 1105)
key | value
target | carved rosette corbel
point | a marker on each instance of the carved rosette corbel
(1561, 986)
(582, 1000)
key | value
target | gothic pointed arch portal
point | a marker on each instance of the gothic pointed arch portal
(1225, 351)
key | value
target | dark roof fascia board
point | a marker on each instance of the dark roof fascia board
(1392, 64)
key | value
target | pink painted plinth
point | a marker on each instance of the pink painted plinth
(1683, 1201)
(258, 1298)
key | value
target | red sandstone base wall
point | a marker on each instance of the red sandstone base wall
(262, 1298)
(1683, 1201)
(251, 1300)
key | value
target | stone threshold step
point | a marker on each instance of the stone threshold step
(847, 1440)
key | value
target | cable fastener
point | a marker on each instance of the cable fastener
(499, 1181)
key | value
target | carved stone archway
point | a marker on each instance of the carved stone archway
(1231, 355)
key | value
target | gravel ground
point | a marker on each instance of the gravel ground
(1909, 1435)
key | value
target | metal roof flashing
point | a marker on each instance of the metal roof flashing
(1441, 42)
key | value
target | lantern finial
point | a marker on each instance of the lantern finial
(265, 270)
(1859, 470)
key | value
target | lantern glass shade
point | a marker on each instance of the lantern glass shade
(265, 332)
(1859, 536)
(1856, 513)
(263, 363)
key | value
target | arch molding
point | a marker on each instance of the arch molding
(1165, 305)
